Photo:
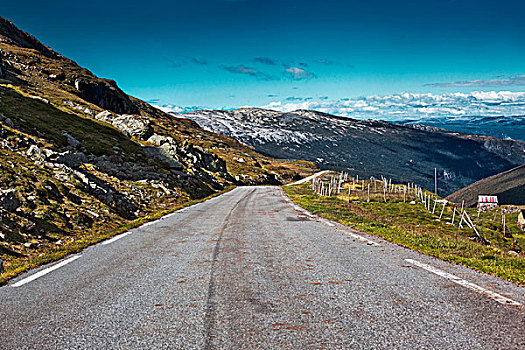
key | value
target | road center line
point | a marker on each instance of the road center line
(493, 295)
(45, 271)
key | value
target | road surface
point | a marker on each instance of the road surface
(248, 270)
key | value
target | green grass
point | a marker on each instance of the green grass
(415, 228)
(23, 264)
(38, 117)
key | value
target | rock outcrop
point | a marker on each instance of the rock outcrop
(108, 195)
(105, 94)
(130, 125)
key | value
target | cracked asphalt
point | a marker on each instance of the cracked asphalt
(247, 270)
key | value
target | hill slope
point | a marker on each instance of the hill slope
(369, 147)
(509, 186)
(79, 157)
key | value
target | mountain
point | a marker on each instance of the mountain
(495, 113)
(80, 157)
(405, 153)
(505, 127)
(509, 186)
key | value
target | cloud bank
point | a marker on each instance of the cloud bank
(404, 106)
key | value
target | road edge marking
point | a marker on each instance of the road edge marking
(346, 229)
(360, 238)
(453, 278)
(44, 272)
(116, 238)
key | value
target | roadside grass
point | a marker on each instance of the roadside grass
(23, 264)
(412, 226)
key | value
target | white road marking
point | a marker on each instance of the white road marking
(116, 238)
(493, 295)
(45, 272)
(306, 179)
(327, 222)
(361, 238)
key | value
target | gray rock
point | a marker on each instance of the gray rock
(35, 153)
(8, 122)
(9, 200)
(134, 125)
(130, 125)
(73, 142)
(162, 154)
(105, 116)
(160, 139)
(72, 159)
(2, 270)
(49, 153)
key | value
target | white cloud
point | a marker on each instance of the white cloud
(299, 73)
(168, 108)
(416, 106)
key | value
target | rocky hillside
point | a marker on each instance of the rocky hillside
(79, 156)
(509, 186)
(369, 147)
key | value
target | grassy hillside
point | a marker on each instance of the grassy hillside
(509, 186)
(80, 160)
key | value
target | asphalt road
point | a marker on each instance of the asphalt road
(247, 270)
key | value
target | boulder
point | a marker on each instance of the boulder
(8, 122)
(105, 116)
(161, 139)
(72, 159)
(9, 200)
(130, 125)
(73, 142)
(134, 125)
(35, 153)
(161, 154)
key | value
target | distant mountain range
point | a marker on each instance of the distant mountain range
(509, 186)
(495, 113)
(505, 127)
(407, 153)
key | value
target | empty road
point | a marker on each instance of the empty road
(248, 270)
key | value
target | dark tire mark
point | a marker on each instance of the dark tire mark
(210, 312)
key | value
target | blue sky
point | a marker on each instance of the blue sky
(231, 53)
